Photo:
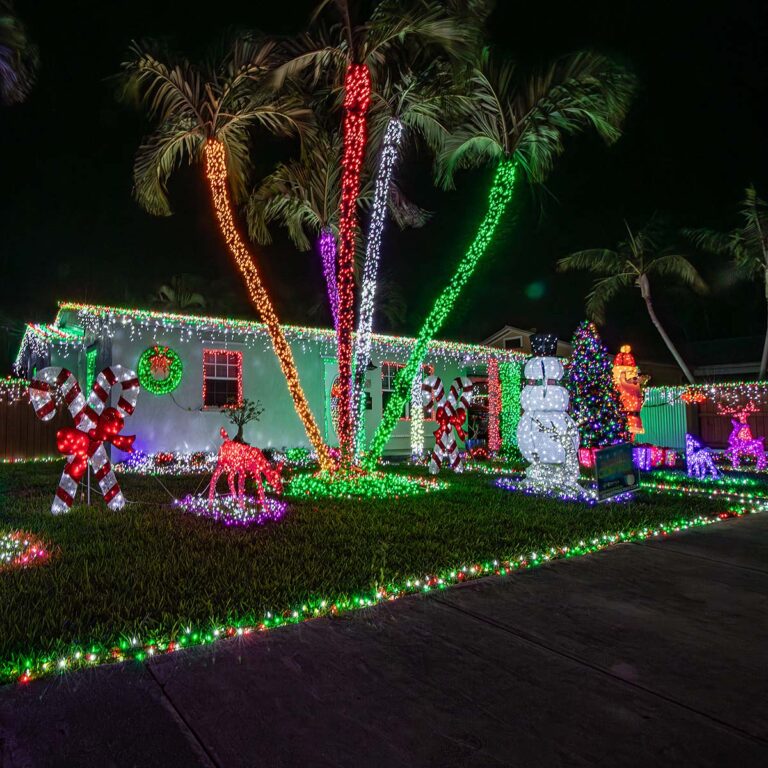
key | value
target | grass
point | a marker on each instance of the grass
(152, 570)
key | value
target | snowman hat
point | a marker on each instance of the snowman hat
(544, 344)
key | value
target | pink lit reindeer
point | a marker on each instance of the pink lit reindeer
(741, 442)
(243, 460)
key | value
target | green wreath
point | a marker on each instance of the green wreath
(148, 367)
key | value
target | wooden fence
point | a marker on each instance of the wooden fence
(23, 435)
(714, 428)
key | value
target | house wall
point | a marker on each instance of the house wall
(177, 422)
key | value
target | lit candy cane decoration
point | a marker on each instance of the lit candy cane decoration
(387, 162)
(95, 424)
(451, 412)
(327, 245)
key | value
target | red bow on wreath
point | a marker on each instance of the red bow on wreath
(82, 445)
(447, 418)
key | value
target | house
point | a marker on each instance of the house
(225, 360)
(512, 339)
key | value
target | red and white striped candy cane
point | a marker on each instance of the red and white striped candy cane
(448, 412)
(85, 414)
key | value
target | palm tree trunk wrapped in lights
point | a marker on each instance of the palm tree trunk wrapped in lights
(357, 98)
(387, 162)
(326, 244)
(216, 173)
(500, 196)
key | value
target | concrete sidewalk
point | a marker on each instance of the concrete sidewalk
(648, 654)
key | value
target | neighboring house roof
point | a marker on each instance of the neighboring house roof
(73, 318)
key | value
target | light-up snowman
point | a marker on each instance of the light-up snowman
(546, 434)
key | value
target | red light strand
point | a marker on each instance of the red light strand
(357, 97)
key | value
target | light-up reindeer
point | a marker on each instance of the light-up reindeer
(241, 460)
(741, 442)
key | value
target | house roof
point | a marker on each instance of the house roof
(74, 317)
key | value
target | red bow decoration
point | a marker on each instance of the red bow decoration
(82, 445)
(448, 417)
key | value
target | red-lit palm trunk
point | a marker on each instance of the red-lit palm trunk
(357, 97)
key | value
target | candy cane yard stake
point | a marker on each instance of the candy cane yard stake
(450, 413)
(95, 424)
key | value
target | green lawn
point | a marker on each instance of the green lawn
(151, 570)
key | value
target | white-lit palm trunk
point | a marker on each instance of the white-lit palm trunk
(362, 349)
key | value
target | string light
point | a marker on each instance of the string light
(417, 419)
(741, 443)
(698, 459)
(499, 197)
(165, 362)
(38, 340)
(216, 173)
(509, 379)
(494, 406)
(227, 510)
(167, 463)
(595, 404)
(34, 665)
(13, 390)
(232, 357)
(19, 549)
(328, 256)
(357, 98)
(358, 485)
(141, 323)
(389, 154)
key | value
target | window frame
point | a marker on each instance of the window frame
(235, 357)
(513, 338)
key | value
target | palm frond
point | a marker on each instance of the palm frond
(678, 266)
(18, 57)
(601, 294)
(158, 156)
(601, 261)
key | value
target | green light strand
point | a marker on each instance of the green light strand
(90, 367)
(498, 199)
(509, 377)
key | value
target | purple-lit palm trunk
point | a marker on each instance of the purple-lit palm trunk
(326, 244)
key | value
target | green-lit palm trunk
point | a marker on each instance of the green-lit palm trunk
(498, 200)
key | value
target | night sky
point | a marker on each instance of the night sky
(694, 139)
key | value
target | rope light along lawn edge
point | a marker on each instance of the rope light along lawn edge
(28, 667)
(175, 370)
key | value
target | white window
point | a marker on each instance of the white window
(389, 373)
(222, 378)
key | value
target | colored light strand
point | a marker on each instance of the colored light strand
(509, 379)
(357, 98)
(227, 510)
(357, 485)
(327, 248)
(499, 198)
(494, 406)
(595, 401)
(12, 390)
(139, 323)
(362, 347)
(19, 549)
(216, 173)
(25, 668)
(167, 463)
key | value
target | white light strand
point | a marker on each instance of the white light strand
(417, 419)
(362, 350)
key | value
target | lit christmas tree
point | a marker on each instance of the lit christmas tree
(595, 401)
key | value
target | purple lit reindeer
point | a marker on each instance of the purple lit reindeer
(741, 442)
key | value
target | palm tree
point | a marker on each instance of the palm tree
(18, 57)
(207, 113)
(354, 51)
(412, 103)
(517, 121)
(632, 264)
(747, 245)
(179, 295)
